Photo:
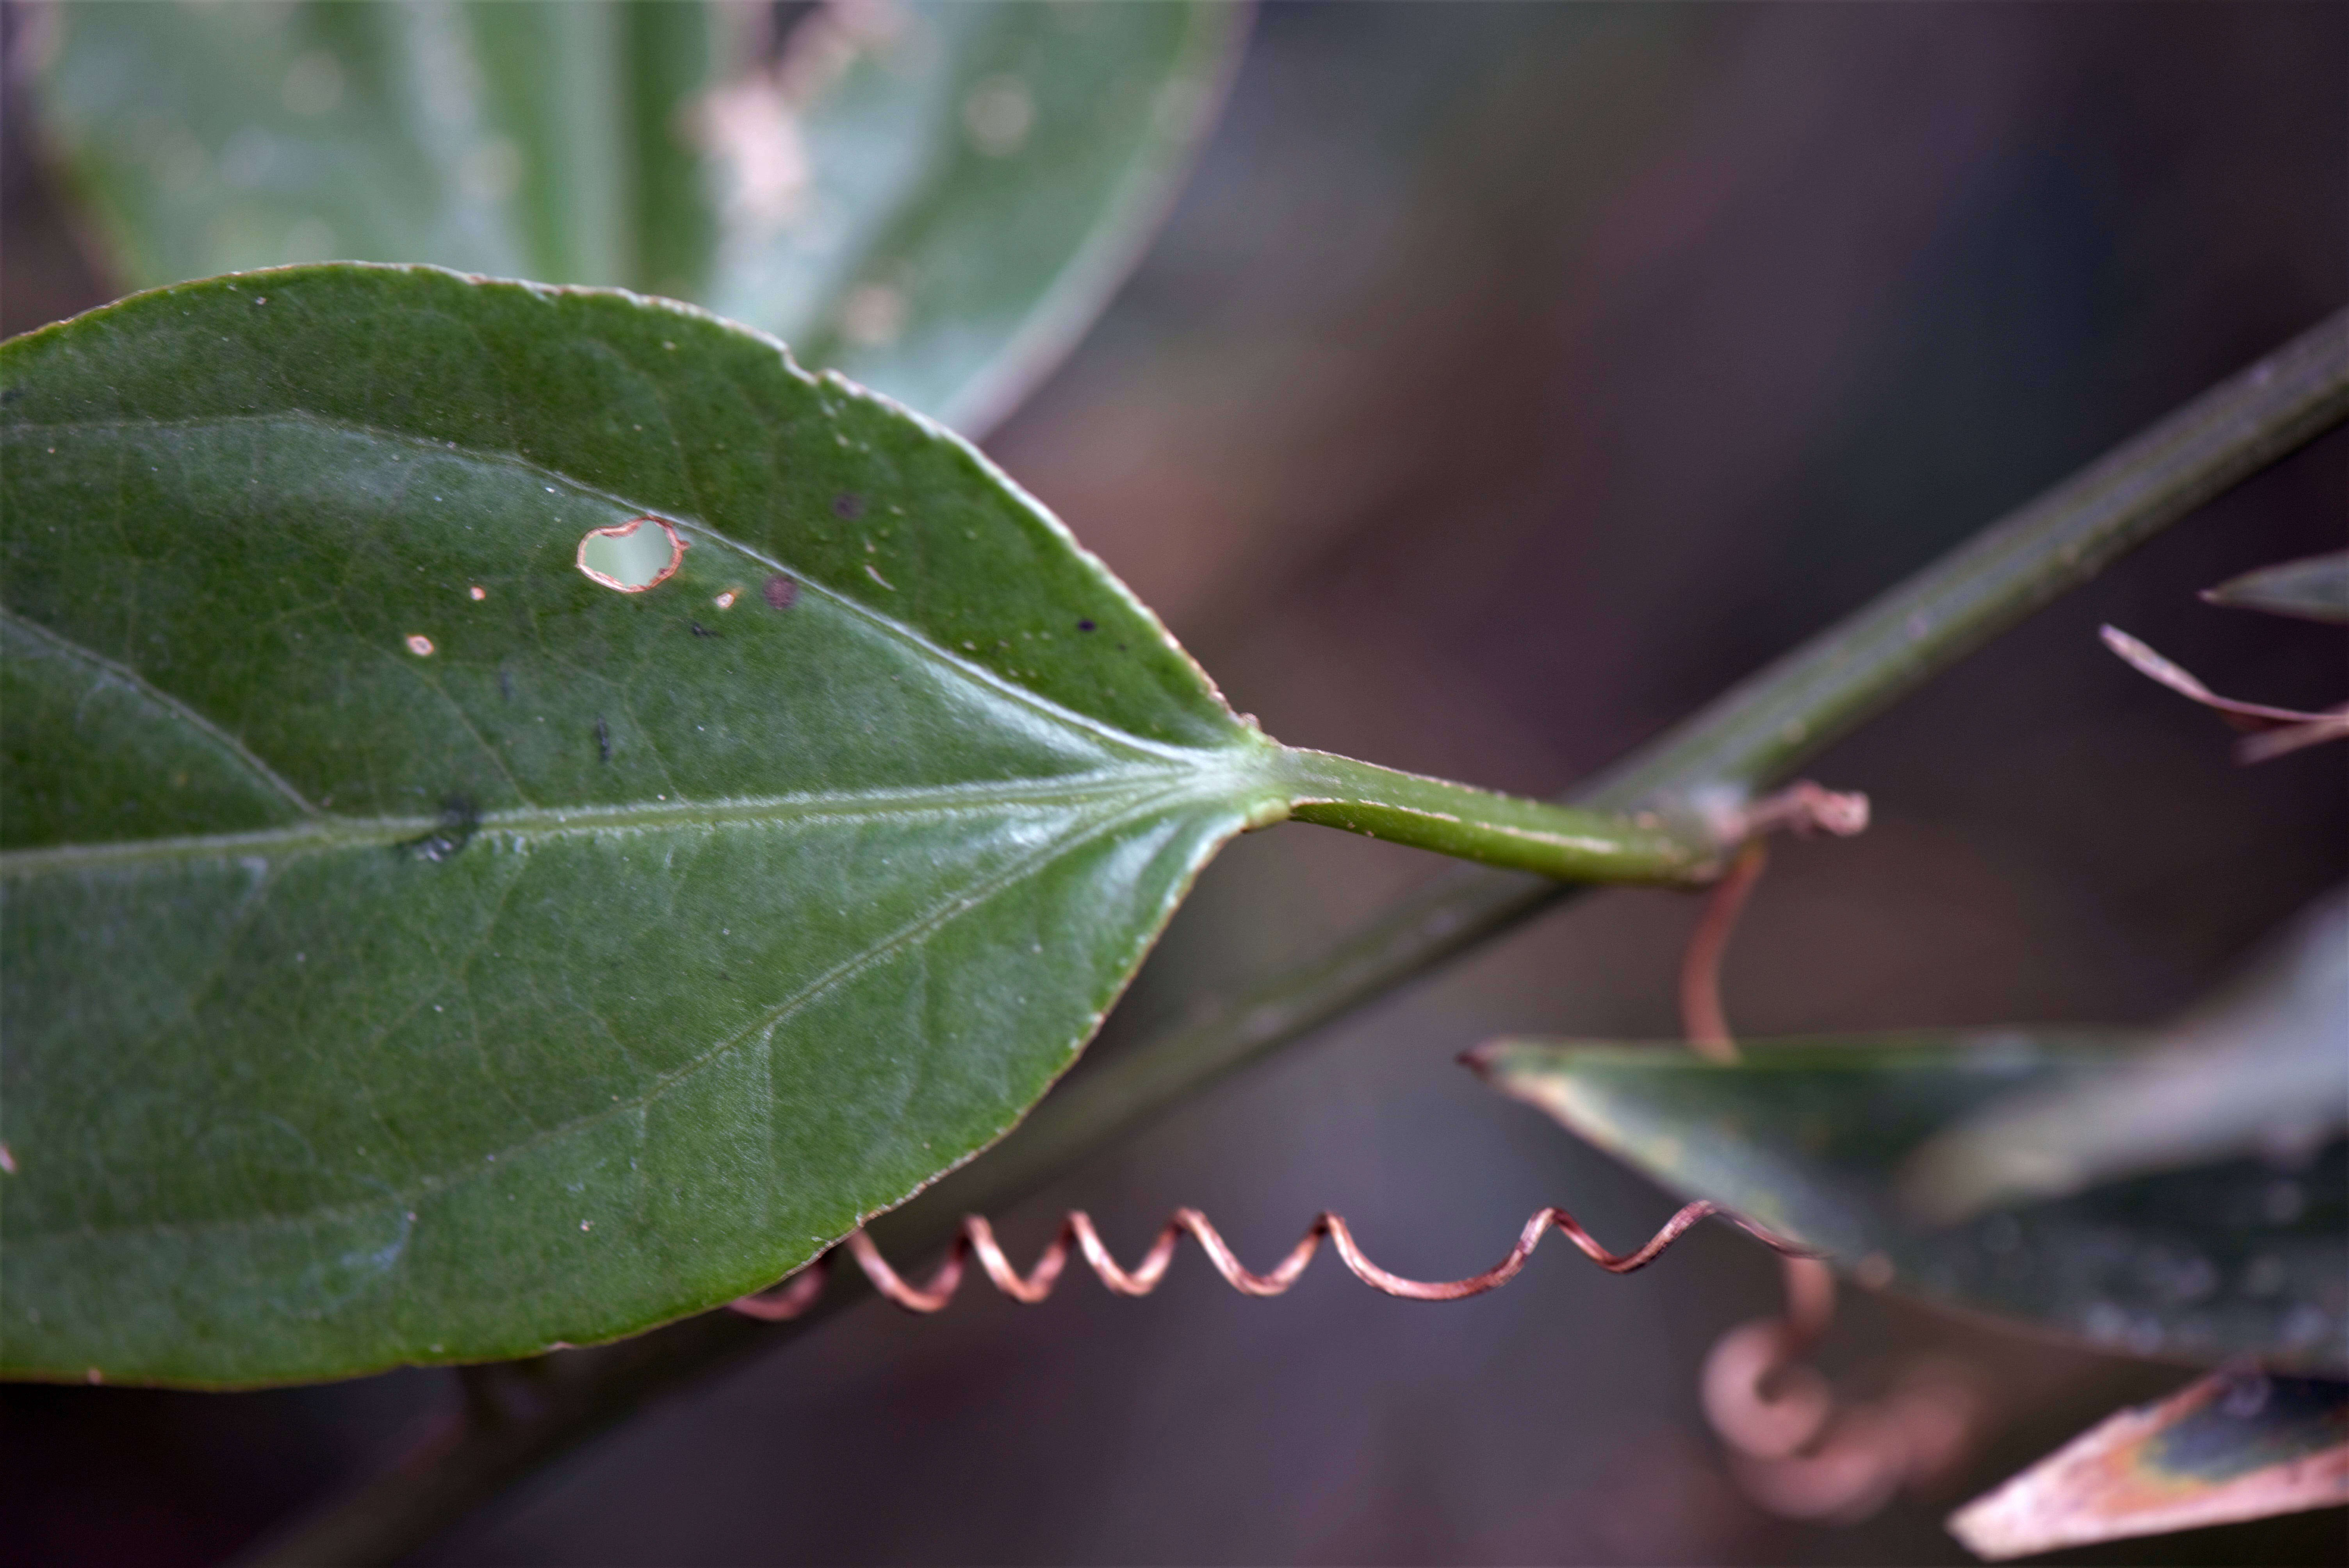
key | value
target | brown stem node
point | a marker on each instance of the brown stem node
(1804, 808)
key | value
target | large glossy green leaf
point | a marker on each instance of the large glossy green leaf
(1809, 1137)
(415, 949)
(934, 196)
(437, 925)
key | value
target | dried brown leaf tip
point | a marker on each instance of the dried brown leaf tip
(628, 558)
(2235, 1445)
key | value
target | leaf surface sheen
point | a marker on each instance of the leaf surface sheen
(416, 951)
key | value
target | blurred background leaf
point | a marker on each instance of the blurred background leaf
(2224, 1258)
(2316, 589)
(523, 140)
(936, 198)
(2264, 1071)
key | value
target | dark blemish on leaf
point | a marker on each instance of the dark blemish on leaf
(699, 630)
(848, 506)
(505, 682)
(1084, 626)
(602, 738)
(10, 394)
(459, 820)
(780, 590)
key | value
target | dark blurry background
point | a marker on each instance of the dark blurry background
(1511, 379)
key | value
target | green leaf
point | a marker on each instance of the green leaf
(418, 950)
(2264, 1070)
(979, 177)
(1808, 1138)
(2316, 589)
(526, 815)
(521, 140)
(2232, 1445)
(936, 198)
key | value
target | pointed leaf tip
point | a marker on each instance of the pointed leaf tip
(2314, 589)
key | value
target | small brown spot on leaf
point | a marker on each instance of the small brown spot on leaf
(628, 560)
(699, 630)
(1084, 626)
(848, 505)
(780, 592)
(725, 600)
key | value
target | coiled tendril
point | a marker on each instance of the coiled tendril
(977, 1237)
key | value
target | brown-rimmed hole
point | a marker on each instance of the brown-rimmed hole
(629, 557)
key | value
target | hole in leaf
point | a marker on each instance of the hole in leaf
(630, 557)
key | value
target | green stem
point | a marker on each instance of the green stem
(1509, 831)
(1765, 727)
(1757, 733)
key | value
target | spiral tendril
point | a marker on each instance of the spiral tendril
(977, 1237)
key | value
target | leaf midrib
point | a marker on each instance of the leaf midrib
(1209, 770)
(1157, 761)
(941, 913)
